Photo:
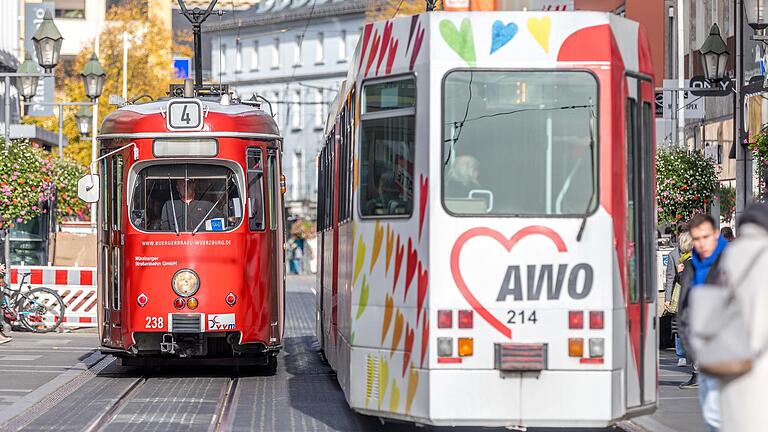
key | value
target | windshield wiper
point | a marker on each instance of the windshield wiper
(173, 206)
(206, 215)
(591, 171)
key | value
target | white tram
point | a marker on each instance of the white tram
(486, 221)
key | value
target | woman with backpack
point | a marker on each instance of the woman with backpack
(744, 390)
(680, 289)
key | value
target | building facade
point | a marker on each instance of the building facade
(294, 54)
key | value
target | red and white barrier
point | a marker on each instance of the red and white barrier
(76, 285)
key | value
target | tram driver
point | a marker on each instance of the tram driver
(188, 211)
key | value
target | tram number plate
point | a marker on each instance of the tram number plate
(521, 317)
(185, 115)
(154, 322)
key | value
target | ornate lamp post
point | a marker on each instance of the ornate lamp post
(83, 118)
(714, 55)
(93, 78)
(47, 40)
(27, 82)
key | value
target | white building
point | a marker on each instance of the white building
(293, 53)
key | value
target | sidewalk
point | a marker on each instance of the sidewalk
(678, 409)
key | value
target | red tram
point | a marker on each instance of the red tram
(190, 230)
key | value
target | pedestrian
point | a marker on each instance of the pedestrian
(727, 233)
(291, 261)
(3, 337)
(708, 247)
(744, 399)
(298, 255)
(682, 282)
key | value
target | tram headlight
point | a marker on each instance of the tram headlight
(185, 283)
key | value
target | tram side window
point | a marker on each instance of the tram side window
(272, 173)
(632, 221)
(255, 190)
(186, 198)
(650, 216)
(387, 149)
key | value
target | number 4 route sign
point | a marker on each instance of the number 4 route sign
(184, 114)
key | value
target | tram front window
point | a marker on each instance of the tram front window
(520, 143)
(186, 198)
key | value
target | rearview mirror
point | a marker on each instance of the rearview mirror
(88, 188)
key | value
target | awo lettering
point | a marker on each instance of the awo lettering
(546, 281)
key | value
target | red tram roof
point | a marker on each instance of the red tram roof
(149, 118)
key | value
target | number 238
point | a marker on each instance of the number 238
(154, 322)
(521, 317)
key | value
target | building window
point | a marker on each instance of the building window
(343, 46)
(320, 51)
(297, 51)
(255, 56)
(238, 56)
(296, 113)
(319, 109)
(69, 9)
(276, 53)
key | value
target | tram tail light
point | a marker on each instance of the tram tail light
(444, 346)
(576, 347)
(142, 299)
(192, 303)
(465, 319)
(231, 299)
(575, 319)
(444, 319)
(179, 303)
(282, 184)
(596, 347)
(596, 320)
(466, 347)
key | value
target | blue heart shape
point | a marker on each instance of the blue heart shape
(501, 34)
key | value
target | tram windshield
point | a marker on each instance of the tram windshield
(186, 198)
(520, 143)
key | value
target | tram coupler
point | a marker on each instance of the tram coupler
(168, 345)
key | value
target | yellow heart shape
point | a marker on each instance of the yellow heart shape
(540, 29)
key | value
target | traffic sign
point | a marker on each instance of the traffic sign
(181, 67)
(708, 88)
(693, 105)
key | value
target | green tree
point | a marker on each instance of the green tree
(150, 70)
(686, 183)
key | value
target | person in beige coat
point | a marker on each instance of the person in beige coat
(744, 400)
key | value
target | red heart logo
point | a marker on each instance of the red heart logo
(421, 294)
(409, 335)
(508, 244)
(366, 38)
(424, 339)
(399, 251)
(410, 267)
(384, 44)
(414, 20)
(391, 56)
(374, 50)
(423, 194)
(417, 45)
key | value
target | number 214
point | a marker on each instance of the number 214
(521, 317)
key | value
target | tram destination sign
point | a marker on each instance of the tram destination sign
(184, 114)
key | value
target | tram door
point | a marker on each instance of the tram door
(111, 247)
(641, 244)
(277, 235)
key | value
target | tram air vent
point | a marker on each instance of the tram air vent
(186, 323)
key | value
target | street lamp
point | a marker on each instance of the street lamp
(756, 18)
(714, 55)
(27, 83)
(47, 40)
(83, 117)
(93, 78)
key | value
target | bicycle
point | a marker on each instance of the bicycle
(40, 310)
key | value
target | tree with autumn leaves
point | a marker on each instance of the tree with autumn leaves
(150, 69)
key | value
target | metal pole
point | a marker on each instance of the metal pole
(94, 150)
(61, 130)
(125, 65)
(7, 100)
(198, 55)
(738, 121)
(7, 254)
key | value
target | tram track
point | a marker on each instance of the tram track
(121, 401)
